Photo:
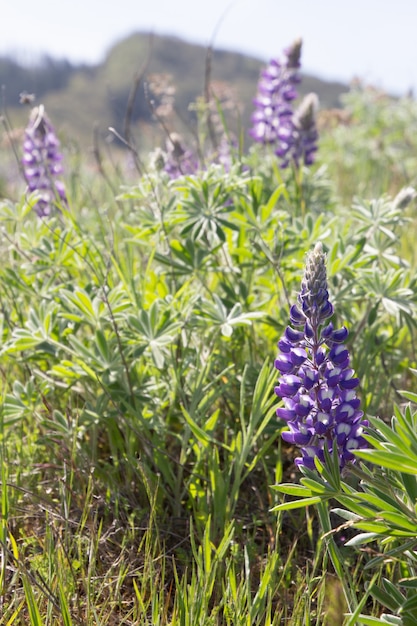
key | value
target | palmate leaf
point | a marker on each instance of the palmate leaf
(155, 329)
(391, 289)
(410, 486)
(220, 316)
(210, 226)
(206, 203)
(338, 262)
(316, 491)
(379, 219)
(22, 402)
(388, 595)
(185, 258)
(80, 307)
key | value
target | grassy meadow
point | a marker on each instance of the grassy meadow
(144, 480)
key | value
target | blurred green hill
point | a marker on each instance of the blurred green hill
(79, 98)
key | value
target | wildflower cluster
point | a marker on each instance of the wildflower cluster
(42, 162)
(317, 384)
(292, 133)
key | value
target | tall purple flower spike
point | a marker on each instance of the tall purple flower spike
(276, 91)
(317, 385)
(291, 133)
(42, 162)
(298, 137)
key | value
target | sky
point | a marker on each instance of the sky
(374, 40)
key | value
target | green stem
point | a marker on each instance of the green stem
(337, 559)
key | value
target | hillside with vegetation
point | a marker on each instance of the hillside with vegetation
(81, 97)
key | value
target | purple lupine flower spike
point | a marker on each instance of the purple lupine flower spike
(42, 162)
(291, 133)
(276, 90)
(298, 137)
(317, 385)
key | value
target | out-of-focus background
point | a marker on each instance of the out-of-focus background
(81, 58)
(374, 40)
(85, 60)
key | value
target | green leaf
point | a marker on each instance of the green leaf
(389, 460)
(198, 432)
(410, 395)
(410, 605)
(366, 620)
(317, 486)
(399, 520)
(347, 515)
(297, 504)
(386, 599)
(408, 583)
(362, 538)
(292, 490)
(102, 345)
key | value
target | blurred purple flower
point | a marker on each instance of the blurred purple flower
(317, 384)
(292, 133)
(276, 90)
(178, 159)
(298, 136)
(42, 162)
(225, 152)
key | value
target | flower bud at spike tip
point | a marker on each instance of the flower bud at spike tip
(317, 384)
